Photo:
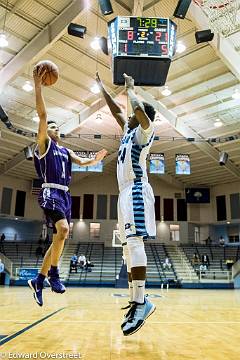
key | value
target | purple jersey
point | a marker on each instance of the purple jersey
(54, 166)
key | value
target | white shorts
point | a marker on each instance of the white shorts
(136, 212)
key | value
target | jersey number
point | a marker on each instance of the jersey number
(122, 155)
(64, 170)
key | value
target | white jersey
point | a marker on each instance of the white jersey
(132, 155)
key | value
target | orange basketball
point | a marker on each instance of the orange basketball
(52, 73)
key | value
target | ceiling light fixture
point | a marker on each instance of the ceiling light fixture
(95, 44)
(218, 123)
(27, 86)
(95, 89)
(180, 47)
(236, 94)
(3, 40)
(35, 118)
(166, 91)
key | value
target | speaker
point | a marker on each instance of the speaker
(223, 158)
(77, 30)
(182, 8)
(28, 153)
(105, 6)
(203, 36)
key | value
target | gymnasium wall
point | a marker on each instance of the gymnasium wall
(20, 230)
(229, 227)
(32, 210)
(197, 214)
(108, 185)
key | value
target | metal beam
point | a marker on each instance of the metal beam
(11, 10)
(41, 42)
(166, 114)
(170, 179)
(123, 5)
(223, 46)
(137, 8)
(71, 125)
(151, 4)
(15, 161)
(187, 132)
(86, 113)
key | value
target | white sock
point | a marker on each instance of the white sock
(138, 291)
(130, 286)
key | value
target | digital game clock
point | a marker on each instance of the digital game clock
(142, 48)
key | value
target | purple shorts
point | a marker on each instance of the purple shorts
(55, 200)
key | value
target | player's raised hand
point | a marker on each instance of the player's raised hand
(129, 81)
(38, 73)
(100, 155)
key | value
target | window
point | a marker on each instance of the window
(168, 209)
(113, 207)
(6, 201)
(75, 207)
(181, 210)
(233, 238)
(95, 230)
(235, 206)
(221, 208)
(20, 203)
(88, 206)
(174, 232)
(233, 233)
(157, 208)
(102, 207)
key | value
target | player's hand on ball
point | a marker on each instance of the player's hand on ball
(129, 81)
(100, 155)
(38, 73)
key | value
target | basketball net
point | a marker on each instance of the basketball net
(222, 15)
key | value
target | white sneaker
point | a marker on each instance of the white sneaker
(138, 314)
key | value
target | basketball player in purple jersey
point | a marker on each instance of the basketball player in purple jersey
(53, 165)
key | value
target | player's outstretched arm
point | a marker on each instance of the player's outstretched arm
(137, 105)
(100, 155)
(113, 106)
(42, 136)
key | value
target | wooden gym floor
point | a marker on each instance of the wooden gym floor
(85, 323)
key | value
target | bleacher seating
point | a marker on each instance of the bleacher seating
(22, 255)
(217, 269)
(107, 262)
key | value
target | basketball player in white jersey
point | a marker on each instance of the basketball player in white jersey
(136, 214)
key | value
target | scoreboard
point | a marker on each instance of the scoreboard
(142, 48)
